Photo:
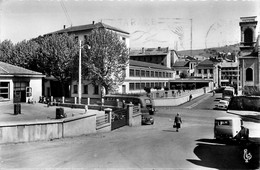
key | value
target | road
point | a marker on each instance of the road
(153, 146)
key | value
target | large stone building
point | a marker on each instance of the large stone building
(249, 58)
(87, 88)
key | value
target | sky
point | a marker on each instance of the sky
(178, 24)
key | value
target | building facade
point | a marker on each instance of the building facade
(87, 88)
(249, 59)
(18, 84)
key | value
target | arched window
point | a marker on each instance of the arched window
(248, 36)
(249, 74)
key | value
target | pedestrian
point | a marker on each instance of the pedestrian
(213, 92)
(177, 122)
(190, 97)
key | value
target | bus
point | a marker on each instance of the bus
(228, 93)
(145, 102)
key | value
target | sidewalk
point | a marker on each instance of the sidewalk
(36, 112)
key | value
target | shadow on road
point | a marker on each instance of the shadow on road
(225, 155)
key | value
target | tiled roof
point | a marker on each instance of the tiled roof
(87, 27)
(207, 63)
(181, 64)
(8, 69)
(148, 65)
(149, 51)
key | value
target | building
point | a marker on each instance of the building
(144, 74)
(149, 67)
(88, 89)
(186, 65)
(18, 84)
(249, 58)
(229, 73)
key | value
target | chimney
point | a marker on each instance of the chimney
(93, 22)
(64, 26)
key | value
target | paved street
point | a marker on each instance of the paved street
(156, 146)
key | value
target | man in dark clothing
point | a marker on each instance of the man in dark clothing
(177, 122)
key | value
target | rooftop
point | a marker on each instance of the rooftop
(8, 69)
(87, 27)
(146, 64)
(149, 51)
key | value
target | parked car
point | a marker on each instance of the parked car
(147, 119)
(222, 104)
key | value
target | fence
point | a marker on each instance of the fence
(102, 120)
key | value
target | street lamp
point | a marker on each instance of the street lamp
(79, 86)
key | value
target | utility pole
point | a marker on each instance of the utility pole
(191, 37)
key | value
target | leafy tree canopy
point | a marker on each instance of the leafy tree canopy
(105, 58)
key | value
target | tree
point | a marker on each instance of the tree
(56, 56)
(104, 58)
(6, 51)
(24, 54)
(184, 74)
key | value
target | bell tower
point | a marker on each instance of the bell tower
(248, 33)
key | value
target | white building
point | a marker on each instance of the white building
(18, 84)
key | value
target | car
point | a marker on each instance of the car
(147, 119)
(222, 104)
(230, 128)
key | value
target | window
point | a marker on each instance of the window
(160, 74)
(167, 74)
(156, 74)
(147, 85)
(177, 72)
(4, 90)
(249, 74)
(142, 73)
(163, 74)
(131, 86)
(75, 89)
(142, 85)
(205, 71)
(137, 73)
(95, 89)
(85, 89)
(123, 38)
(199, 71)
(152, 73)
(147, 74)
(132, 73)
(137, 86)
(152, 85)
(248, 36)
(211, 71)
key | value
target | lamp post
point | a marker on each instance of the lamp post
(79, 86)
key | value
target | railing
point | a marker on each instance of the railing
(102, 120)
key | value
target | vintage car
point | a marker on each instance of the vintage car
(222, 104)
(230, 128)
(147, 119)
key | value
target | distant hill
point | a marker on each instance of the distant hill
(211, 52)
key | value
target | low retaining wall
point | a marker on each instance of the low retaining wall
(175, 101)
(47, 130)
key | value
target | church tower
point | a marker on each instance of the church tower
(249, 60)
(248, 33)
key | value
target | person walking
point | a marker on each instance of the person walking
(177, 122)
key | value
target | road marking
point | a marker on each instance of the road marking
(198, 102)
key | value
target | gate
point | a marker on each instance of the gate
(119, 118)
